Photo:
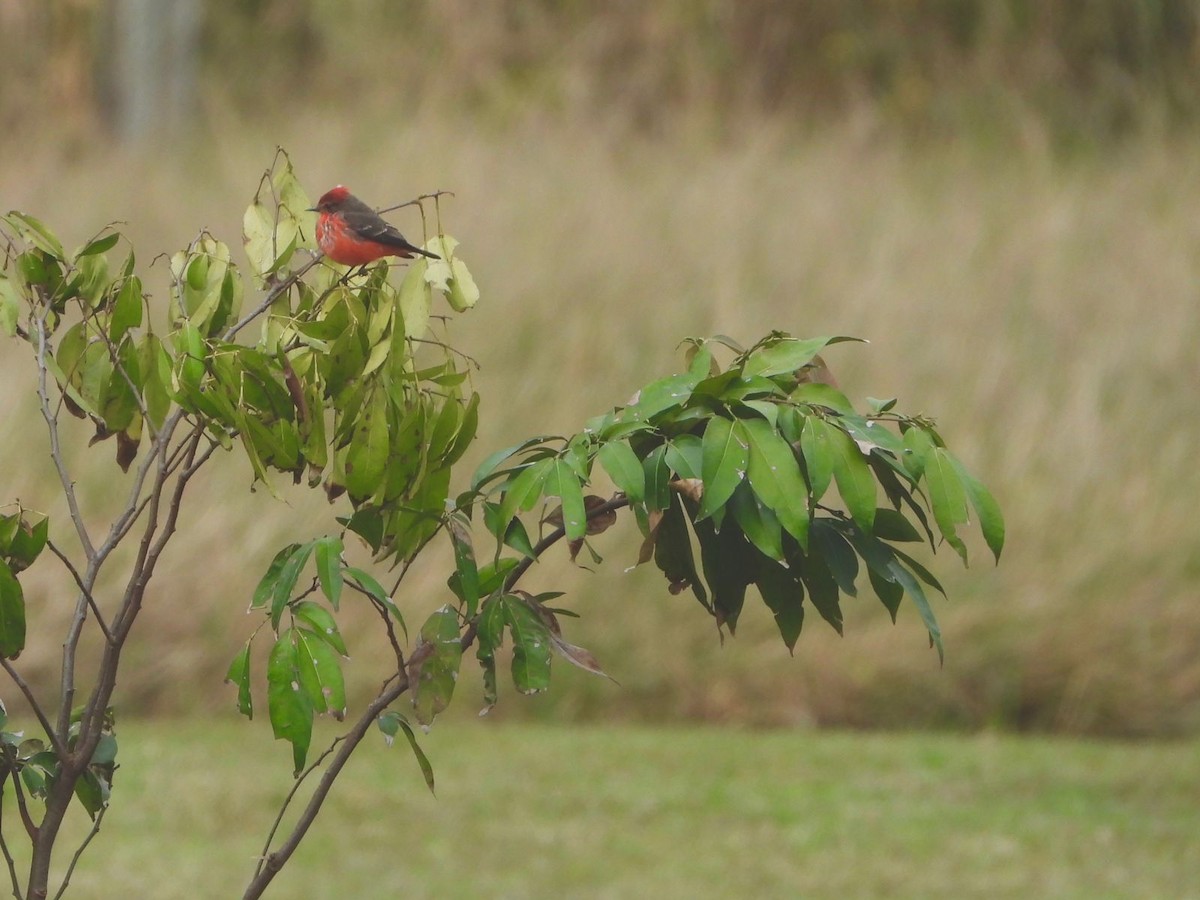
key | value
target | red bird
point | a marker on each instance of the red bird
(351, 233)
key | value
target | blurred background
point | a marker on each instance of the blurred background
(1001, 195)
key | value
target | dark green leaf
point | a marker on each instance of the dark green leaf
(92, 792)
(422, 759)
(729, 564)
(268, 583)
(784, 596)
(673, 552)
(12, 613)
(239, 675)
(822, 588)
(658, 479)
(367, 459)
(466, 573)
(891, 525)
(838, 555)
(289, 573)
(815, 393)
(531, 646)
(914, 590)
(329, 567)
(525, 490)
(439, 655)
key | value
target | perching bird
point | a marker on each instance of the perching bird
(351, 233)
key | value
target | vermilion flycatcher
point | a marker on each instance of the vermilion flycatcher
(351, 233)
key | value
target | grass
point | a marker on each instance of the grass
(533, 811)
(1044, 312)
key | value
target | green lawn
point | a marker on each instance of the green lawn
(525, 811)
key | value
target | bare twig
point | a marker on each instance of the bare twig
(272, 295)
(30, 826)
(79, 852)
(8, 857)
(416, 201)
(269, 867)
(83, 588)
(56, 455)
(44, 720)
(287, 801)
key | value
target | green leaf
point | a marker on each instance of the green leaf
(726, 456)
(531, 646)
(685, 455)
(439, 656)
(27, 542)
(920, 446)
(526, 488)
(369, 584)
(837, 554)
(416, 300)
(775, 476)
(12, 613)
(816, 446)
(10, 306)
(947, 497)
(266, 585)
(624, 468)
(729, 564)
(239, 674)
(286, 583)
(466, 573)
(329, 567)
(563, 482)
(320, 673)
(127, 309)
(322, 623)
(815, 393)
(786, 355)
(855, 482)
(673, 552)
(991, 521)
(367, 460)
(92, 792)
(99, 245)
(657, 478)
(661, 396)
(34, 232)
(914, 590)
(757, 522)
(892, 525)
(288, 705)
(822, 588)
(392, 722)
(890, 593)
(784, 596)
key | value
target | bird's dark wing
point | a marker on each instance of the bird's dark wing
(367, 224)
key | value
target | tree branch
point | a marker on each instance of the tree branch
(62, 889)
(83, 588)
(56, 455)
(22, 685)
(8, 857)
(270, 867)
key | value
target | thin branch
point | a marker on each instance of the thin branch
(83, 589)
(30, 826)
(60, 748)
(278, 289)
(269, 867)
(56, 455)
(79, 852)
(416, 201)
(8, 857)
(287, 801)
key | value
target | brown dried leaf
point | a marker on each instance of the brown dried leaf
(689, 488)
(578, 656)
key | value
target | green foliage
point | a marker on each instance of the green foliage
(753, 473)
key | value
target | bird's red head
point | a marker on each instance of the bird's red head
(332, 198)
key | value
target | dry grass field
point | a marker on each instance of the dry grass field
(1043, 310)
